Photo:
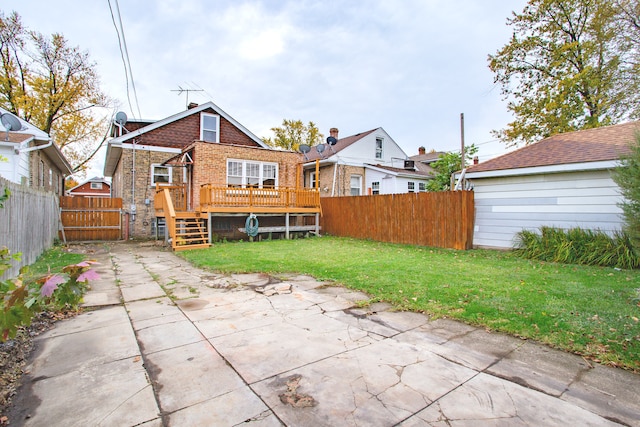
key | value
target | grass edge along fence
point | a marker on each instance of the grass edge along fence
(438, 219)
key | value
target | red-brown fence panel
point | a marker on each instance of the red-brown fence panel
(439, 219)
(91, 218)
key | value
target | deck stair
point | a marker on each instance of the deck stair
(190, 232)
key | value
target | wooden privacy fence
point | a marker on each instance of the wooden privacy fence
(442, 219)
(91, 218)
(28, 223)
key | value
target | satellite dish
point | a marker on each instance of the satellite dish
(10, 122)
(304, 149)
(331, 140)
(320, 149)
(121, 118)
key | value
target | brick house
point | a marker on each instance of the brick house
(367, 163)
(32, 158)
(94, 187)
(201, 147)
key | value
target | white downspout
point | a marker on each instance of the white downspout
(333, 188)
(35, 147)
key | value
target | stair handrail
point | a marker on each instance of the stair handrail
(170, 215)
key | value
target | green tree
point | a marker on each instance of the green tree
(447, 164)
(54, 86)
(627, 176)
(570, 65)
(292, 133)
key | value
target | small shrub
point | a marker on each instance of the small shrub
(21, 299)
(578, 246)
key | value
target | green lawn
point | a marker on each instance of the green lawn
(591, 311)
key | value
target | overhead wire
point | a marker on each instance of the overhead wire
(124, 53)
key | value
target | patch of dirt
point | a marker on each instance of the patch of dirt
(14, 355)
(293, 398)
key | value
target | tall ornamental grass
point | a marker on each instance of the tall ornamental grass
(578, 246)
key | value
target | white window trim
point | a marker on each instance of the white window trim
(244, 171)
(169, 170)
(375, 187)
(217, 117)
(96, 186)
(359, 184)
(381, 151)
(312, 179)
(411, 187)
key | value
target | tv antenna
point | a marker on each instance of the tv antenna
(180, 91)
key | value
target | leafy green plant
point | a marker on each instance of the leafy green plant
(578, 246)
(21, 298)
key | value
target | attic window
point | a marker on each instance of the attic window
(96, 186)
(379, 148)
(209, 127)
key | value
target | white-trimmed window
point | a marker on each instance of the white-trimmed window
(96, 186)
(312, 180)
(411, 186)
(379, 142)
(209, 127)
(242, 173)
(375, 187)
(422, 187)
(160, 175)
(356, 185)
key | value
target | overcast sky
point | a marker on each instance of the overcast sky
(409, 66)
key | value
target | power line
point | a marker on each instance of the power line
(124, 53)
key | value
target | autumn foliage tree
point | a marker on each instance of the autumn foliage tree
(570, 65)
(54, 86)
(292, 133)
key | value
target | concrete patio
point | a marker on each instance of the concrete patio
(166, 344)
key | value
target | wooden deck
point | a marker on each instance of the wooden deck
(170, 202)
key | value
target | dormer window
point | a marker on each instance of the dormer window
(379, 148)
(209, 127)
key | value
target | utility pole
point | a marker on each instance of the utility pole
(462, 141)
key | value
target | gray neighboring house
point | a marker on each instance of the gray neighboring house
(562, 181)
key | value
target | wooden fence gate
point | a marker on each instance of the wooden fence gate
(91, 218)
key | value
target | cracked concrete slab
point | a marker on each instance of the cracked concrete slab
(191, 374)
(487, 400)
(190, 347)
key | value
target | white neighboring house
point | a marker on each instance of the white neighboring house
(363, 164)
(32, 158)
(562, 181)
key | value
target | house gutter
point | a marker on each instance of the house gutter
(35, 147)
(19, 149)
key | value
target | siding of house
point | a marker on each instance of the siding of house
(507, 205)
(45, 175)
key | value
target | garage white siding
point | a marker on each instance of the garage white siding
(507, 205)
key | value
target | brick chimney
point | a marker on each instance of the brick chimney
(191, 105)
(476, 160)
(333, 132)
(421, 150)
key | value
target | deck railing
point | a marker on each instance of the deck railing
(212, 196)
(178, 195)
(163, 203)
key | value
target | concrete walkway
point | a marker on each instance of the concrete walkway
(167, 344)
